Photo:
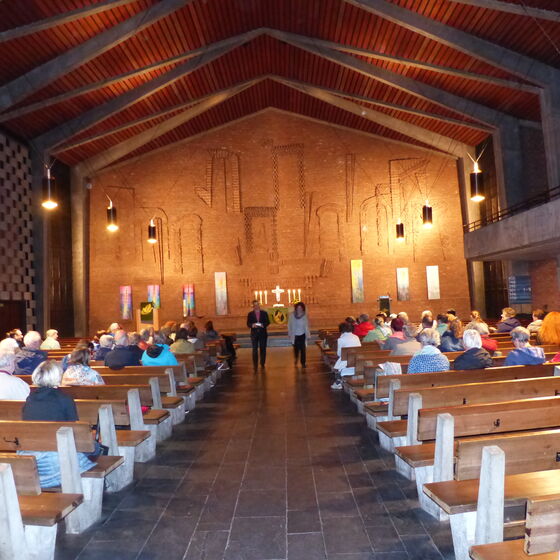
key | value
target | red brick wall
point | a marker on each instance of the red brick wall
(276, 198)
(544, 284)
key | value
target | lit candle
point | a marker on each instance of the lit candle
(289, 296)
(260, 296)
(299, 294)
(266, 297)
(256, 294)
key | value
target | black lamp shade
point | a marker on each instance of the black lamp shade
(112, 218)
(152, 237)
(477, 187)
(427, 215)
(400, 232)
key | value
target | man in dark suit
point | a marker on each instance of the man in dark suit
(258, 321)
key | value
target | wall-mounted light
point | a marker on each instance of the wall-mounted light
(400, 231)
(477, 184)
(112, 224)
(152, 236)
(427, 220)
(49, 203)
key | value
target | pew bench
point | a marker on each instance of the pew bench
(66, 438)
(28, 517)
(104, 414)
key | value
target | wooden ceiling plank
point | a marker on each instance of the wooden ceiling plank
(438, 141)
(493, 53)
(56, 136)
(99, 161)
(61, 19)
(23, 86)
(517, 9)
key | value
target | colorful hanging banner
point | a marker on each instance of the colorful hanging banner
(188, 300)
(153, 295)
(126, 302)
(220, 284)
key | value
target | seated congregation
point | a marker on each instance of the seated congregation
(77, 415)
(470, 410)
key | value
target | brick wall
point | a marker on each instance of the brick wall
(16, 254)
(275, 198)
(544, 284)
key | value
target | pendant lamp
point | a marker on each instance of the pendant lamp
(427, 220)
(152, 236)
(112, 224)
(477, 184)
(48, 201)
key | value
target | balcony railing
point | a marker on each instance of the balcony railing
(536, 200)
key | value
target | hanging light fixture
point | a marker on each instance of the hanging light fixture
(477, 184)
(427, 220)
(152, 236)
(48, 202)
(111, 216)
(400, 231)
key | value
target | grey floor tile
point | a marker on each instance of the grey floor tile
(345, 535)
(254, 538)
(207, 545)
(304, 521)
(261, 503)
(307, 546)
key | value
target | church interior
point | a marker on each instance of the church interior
(294, 263)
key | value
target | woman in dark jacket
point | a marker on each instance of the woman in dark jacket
(48, 403)
(474, 357)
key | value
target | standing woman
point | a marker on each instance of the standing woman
(298, 331)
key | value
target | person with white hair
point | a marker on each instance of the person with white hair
(105, 345)
(429, 358)
(9, 345)
(51, 340)
(113, 328)
(30, 356)
(474, 356)
(524, 354)
(121, 355)
(12, 388)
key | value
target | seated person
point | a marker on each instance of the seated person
(105, 346)
(48, 403)
(12, 388)
(347, 339)
(442, 323)
(29, 357)
(363, 326)
(182, 344)
(426, 323)
(380, 332)
(121, 355)
(193, 337)
(489, 344)
(15, 336)
(429, 358)
(405, 346)
(549, 332)
(78, 371)
(508, 321)
(210, 333)
(524, 354)
(452, 338)
(474, 356)
(159, 354)
(134, 339)
(476, 319)
(145, 338)
(51, 340)
(535, 326)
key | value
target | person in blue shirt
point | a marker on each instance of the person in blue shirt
(452, 339)
(524, 354)
(159, 354)
(429, 359)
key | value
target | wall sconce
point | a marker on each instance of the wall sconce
(152, 236)
(111, 216)
(427, 220)
(400, 231)
(48, 201)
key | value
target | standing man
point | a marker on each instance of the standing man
(258, 321)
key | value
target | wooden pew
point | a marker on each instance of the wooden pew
(104, 414)
(66, 438)
(28, 517)
(386, 385)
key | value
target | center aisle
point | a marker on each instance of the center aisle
(271, 465)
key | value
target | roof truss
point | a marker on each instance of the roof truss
(508, 7)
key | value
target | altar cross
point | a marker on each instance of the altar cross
(278, 292)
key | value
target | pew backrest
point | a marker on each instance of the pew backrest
(542, 525)
(26, 475)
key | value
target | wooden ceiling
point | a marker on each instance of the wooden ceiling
(105, 80)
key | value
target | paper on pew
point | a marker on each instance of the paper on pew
(390, 368)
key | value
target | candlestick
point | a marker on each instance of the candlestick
(266, 297)
(260, 296)
(299, 294)
(289, 296)
(256, 294)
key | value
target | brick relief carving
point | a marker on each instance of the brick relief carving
(350, 176)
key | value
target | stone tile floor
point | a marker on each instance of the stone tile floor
(269, 466)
